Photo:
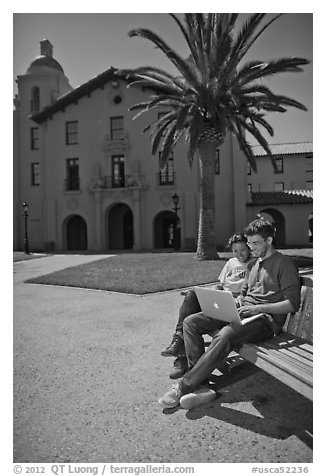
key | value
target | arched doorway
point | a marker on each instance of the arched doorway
(277, 219)
(164, 225)
(76, 233)
(120, 227)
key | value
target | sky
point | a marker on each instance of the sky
(86, 44)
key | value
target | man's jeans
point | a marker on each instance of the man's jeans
(225, 339)
(189, 306)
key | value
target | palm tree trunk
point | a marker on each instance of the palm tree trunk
(206, 245)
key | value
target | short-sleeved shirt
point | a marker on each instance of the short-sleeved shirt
(233, 274)
(274, 279)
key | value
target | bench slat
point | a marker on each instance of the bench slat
(302, 387)
(302, 365)
(300, 381)
(303, 348)
(251, 353)
(305, 354)
(290, 350)
(300, 323)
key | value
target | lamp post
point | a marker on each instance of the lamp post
(25, 215)
(176, 239)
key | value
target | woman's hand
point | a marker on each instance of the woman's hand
(238, 301)
(219, 286)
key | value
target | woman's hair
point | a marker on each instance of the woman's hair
(237, 238)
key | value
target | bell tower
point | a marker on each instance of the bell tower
(43, 82)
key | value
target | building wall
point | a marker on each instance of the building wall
(297, 171)
(295, 221)
(51, 207)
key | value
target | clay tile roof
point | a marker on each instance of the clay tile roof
(285, 149)
(285, 197)
(85, 89)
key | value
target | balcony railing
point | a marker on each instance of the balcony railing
(121, 181)
(71, 184)
(164, 178)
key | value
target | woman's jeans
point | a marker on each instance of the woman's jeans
(189, 306)
(226, 337)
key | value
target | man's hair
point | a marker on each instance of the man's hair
(261, 227)
(237, 238)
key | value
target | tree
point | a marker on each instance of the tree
(214, 92)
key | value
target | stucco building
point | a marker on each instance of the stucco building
(86, 170)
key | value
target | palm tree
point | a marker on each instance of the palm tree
(215, 92)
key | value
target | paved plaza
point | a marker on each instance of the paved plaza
(88, 374)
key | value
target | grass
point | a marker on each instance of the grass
(138, 273)
(143, 273)
(22, 256)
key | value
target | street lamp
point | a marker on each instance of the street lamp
(176, 237)
(25, 215)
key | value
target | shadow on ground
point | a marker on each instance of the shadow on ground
(272, 417)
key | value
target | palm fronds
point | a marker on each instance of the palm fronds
(213, 88)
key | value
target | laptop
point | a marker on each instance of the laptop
(220, 305)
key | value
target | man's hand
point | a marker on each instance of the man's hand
(247, 311)
(238, 301)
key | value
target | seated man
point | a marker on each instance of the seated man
(273, 289)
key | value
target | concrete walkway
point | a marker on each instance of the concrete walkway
(88, 374)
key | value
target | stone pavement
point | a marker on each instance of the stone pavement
(88, 374)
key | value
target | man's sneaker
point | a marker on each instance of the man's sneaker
(180, 367)
(197, 398)
(171, 398)
(175, 348)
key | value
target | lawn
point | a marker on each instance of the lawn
(142, 273)
(22, 256)
(138, 273)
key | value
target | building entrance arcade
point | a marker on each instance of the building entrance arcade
(165, 227)
(120, 227)
(75, 233)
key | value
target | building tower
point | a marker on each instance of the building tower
(42, 84)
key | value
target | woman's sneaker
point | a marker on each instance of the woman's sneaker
(175, 348)
(180, 367)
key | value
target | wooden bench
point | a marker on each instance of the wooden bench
(289, 355)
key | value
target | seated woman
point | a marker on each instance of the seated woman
(231, 279)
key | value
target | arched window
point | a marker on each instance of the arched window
(35, 99)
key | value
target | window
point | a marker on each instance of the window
(72, 132)
(248, 168)
(34, 138)
(35, 173)
(279, 165)
(249, 187)
(309, 185)
(166, 176)
(309, 167)
(217, 162)
(117, 127)
(278, 186)
(118, 171)
(72, 180)
(35, 99)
